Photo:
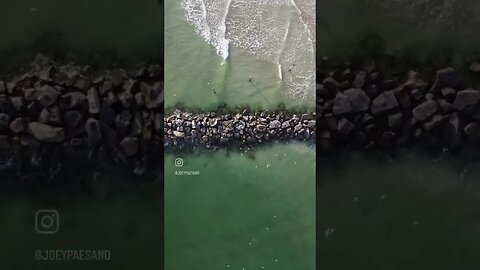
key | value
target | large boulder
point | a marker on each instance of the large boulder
(425, 110)
(46, 133)
(153, 95)
(47, 95)
(447, 77)
(466, 100)
(73, 100)
(341, 104)
(358, 99)
(385, 102)
(51, 115)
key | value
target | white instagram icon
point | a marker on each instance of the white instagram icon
(178, 162)
(47, 221)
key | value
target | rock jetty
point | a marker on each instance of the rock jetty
(381, 106)
(244, 128)
(52, 114)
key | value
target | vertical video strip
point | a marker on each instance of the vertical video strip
(240, 134)
(81, 135)
(398, 101)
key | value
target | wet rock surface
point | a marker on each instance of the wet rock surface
(54, 117)
(370, 105)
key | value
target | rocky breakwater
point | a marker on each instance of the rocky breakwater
(379, 106)
(52, 116)
(243, 128)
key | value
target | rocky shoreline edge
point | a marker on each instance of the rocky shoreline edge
(244, 128)
(53, 116)
(375, 105)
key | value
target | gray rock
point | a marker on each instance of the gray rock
(51, 115)
(358, 99)
(73, 100)
(447, 77)
(395, 120)
(449, 93)
(17, 102)
(178, 134)
(286, 124)
(345, 126)
(129, 146)
(122, 121)
(466, 100)
(417, 94)
(403, 97)
(311, 124)
(473, 130)
(298, 127)
(30, 94)
(47, 95)
(415, 81)
(385, 102)
(46, 133)
(330, 84)
(425, 110)
(93, 100)
(341, 105)
(261, 128)
(73, 118)
(436, 121)
(139, 100)
(360, 78)
(126, 98)
(475, 67)
(111, 98)
(445, 106)
(153, 95)
(83, 83)
(275, 124)
(17, 125)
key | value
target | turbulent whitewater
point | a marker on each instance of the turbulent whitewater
(278, 31)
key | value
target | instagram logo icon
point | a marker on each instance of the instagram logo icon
(178, 162)
(47, 221)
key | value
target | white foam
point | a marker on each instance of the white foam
(278, 31)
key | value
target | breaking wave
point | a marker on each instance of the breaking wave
(278, 31)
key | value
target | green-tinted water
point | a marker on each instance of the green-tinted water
(196, 69)
(107, 213)
(252, 210)
(413, 213)
(243, 211)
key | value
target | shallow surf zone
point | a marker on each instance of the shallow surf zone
(279, 31)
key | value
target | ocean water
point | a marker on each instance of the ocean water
(239, 53)
(417, 211)
(240, 210)
(252, 210)
(118, 213)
